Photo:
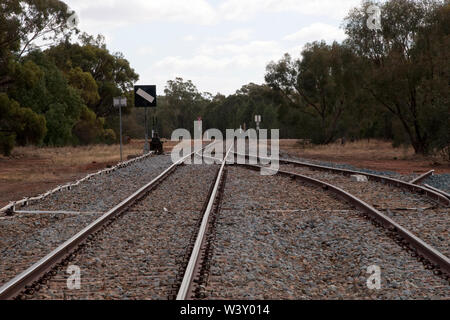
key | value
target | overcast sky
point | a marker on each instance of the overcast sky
(218, 44)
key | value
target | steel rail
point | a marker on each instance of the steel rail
(422, 248)
(395, 182)
(422, 177)
(445, 194)
(210, 158)
(188, 278)
(15, 286)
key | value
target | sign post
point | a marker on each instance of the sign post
(146, 144)
(145, 97)
(258, 121)
(120, 102)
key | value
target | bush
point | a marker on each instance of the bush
(7, 141)
(20, 123)
(33, 128)
(109, 136)
(445, 153)
(89, 129)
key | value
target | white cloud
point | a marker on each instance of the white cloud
(236, 35)
(116, 13)
(189, 38)
(245, 9)
(193, 39)
(223, 67)
(317, 32)
(196, 63)
(253, 48)
(210, 57)
(143, 51)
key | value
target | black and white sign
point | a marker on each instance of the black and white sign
(145, 96)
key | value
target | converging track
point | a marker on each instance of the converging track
(412, 246)
(222, 231)
(287, 239)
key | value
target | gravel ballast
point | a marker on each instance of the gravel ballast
(279, 239)
(429, 220)
(103, 192)
(141, 255)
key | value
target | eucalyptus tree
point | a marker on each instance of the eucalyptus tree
(407, 65)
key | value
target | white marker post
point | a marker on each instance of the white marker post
(258, 121)
(120, 102)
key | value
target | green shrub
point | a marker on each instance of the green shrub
(7, 141)
(109, 136)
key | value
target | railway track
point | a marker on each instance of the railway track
(423, 210)
(38, 273)
(425, 217)
(199, 245)
(32, 230)
(196, 280)
(306, 244)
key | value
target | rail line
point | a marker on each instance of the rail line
(62, 253)
(194, 276)
(433, 194)
(445, 194)
(431, 257)
(191, 276)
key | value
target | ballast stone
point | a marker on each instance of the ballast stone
(359, 178)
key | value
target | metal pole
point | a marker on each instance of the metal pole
(120, 116)
(153, 126)
(146, 146)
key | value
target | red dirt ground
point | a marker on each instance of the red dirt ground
(400, 166)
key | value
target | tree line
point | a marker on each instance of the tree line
(390, 83)
(55, 90)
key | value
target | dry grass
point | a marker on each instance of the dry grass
(76, 156)
(35, 164)
(374, 149)
(373, 154)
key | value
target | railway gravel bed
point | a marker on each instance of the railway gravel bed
(440, 181)
(103, 192)
(428, 220)
(24, 239)
(141, 255)
(280, 239)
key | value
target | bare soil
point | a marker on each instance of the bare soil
(375, 155)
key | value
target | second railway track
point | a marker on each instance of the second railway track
(426, 218)
(305, 244)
